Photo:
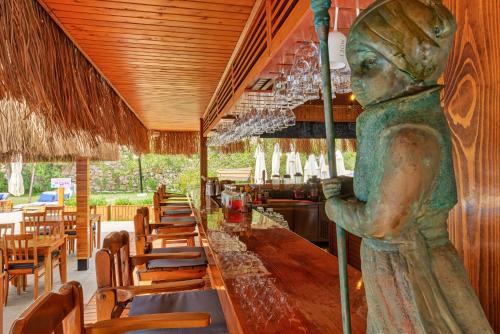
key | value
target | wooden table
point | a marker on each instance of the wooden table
(297, 290)
(45, 245)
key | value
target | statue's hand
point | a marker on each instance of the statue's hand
(331, 187)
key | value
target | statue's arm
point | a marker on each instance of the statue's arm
(408, 162)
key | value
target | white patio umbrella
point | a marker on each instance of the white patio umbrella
(311, 168)
(298, 164)
(340, 163)
(323, 167)
(16, 186)
(290, 161)
(276, 160)
(260, 165)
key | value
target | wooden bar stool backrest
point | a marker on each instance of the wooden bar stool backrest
(18, 250)
(69, 221)
(93, 209)
(6, 205)
(112, 261)
(31, 222)
(156, 207)
(58, 313)
(54, 212)
(6, 229)
(141, 229)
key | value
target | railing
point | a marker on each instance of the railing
(115, 212)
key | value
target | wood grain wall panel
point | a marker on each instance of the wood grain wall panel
(82, 208)
(472, 103)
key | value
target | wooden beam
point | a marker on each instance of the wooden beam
(82, 212)
(314, 113)
(203, 162)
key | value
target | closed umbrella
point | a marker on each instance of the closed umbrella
(298, 164)
(323, 167)
(340, 163)
(311, 168)
(16, 186)
(276, 159)
(290, 161)
(260, 165)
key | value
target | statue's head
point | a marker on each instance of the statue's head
(398, 47)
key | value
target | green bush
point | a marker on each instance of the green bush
(123, 201)
(70, 201)
(98, 200)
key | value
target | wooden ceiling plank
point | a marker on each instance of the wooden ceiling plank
(178, 9)
(124, 53)
(173, 28)
(145, 38)
(156, 49)
(147, 16)
(241, 3)
(111, 31)
(170, 60)
(139, 43)
(141, 21)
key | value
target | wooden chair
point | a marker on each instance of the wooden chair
(31, 221)
(63, 313)
(6, 229)
(6, 205)
(165, 269)
(96, 226)
(116, 291)
(70, 230)
(54, 212)
(183, 228)
(20, 259)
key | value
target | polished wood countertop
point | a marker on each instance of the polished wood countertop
(271, 280)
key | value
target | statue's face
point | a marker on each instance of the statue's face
(374, 78)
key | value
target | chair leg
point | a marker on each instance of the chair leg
(19, 284)
(60, 271)
(35, 284)
(25, 282)
(5, 288)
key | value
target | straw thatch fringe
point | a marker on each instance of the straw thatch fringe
(238, 147)
(307, 146)
(27, 134)
(41, 68)
(348, 145)
(175, 142)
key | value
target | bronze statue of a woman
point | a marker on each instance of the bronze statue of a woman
(404, 181)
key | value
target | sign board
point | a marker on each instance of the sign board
(63, 182)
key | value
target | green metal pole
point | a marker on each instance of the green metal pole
(322, 24)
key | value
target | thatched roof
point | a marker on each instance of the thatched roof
(175, 142)
(28, 134)
(68, 103)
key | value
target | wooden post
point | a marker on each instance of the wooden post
(203, 162)
(60, 196)
(82, 213)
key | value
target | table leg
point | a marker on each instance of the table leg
(64, 263)
(99, 233)
(48, 269)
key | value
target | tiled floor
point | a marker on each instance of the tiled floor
(18, 303)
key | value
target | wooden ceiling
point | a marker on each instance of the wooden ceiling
(164, 57)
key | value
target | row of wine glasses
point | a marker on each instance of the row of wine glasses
(256, 113)
(302, 83)
(265, 305)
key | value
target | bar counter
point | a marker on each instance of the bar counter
(271, 280)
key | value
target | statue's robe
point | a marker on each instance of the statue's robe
(405, 187)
